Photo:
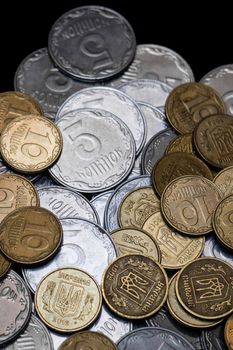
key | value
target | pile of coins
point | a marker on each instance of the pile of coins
(116, 195)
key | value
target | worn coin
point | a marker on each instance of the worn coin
(88, 340)
(182, 143)
(222, 221)
(228, 332)
(213, 338)
(99, 203)
(224, 181)
(215, 249)
(5, 265)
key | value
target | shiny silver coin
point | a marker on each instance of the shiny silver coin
(98, 151)
(45, 180)
(214, 248)
(92, 43)
(4, 169)
(213, 338)
(15, 306)
(99, 203)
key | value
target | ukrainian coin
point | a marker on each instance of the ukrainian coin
(213, 138)
(110, 215)
(30, 235)
(135, 286)
(177, 250)
(188, 202)
(189, 103)
(214, 249)
(5, 265)
(103, 149)
(228, 332)
(44, 180)
(213, 339)
(177, 164)
(182, 143)
(68, 300)
(137, 206)
(4, 169)
(224, 181)
(204, 288)
(222, 221)
(15, 306)
(88, 340)
(99, 203)
(30, 143)
(155, 148)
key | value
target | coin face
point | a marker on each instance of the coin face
(182, 143)
(189, 103)
(88, 340)
(188, 202)
(222, 221)
(68, 299)
(5, 265)
(204, 288)
(30, 235)
(224, 181)
(228, 332)
(135, 286)
(31, 143)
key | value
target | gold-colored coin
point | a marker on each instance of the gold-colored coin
(177, 249)
(204, 288)
(134, 241)
(15, 192)
(135, 286)
(189, 103)
(137, 206)
(177, 164)
(31, 143)
(188, 202)
(224, 181)
(29, 235)
(68, 300)
(182, 143)
(228, 333)
(5, 265)
(89, 341)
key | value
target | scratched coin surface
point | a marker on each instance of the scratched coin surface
(135, 286)
(30, 235)
(204, 288)
(188, 202)
(224, 181)
(213, 338)
(31, 143)
(182, 143)
(189, 103)
(15, 306)
(5, 265)
(99, 203)
(88, 340)
(228, 332)
(137, 206)
(68, 300)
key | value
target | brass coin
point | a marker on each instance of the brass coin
(177, 164)
(30, 143)
(135, 286)
(16, 104)
(189, 103)
(15, 192)
(204, 287)
(88, 341)
(137, 206)
(188, 202)
(68, 300)
(29, 235)
(228, 333)
(224, 181)
(177, 249)
(182, 143)
(5, 265)
(134, 241)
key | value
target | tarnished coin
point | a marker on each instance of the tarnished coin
(222, 221)
(88, 340)
(15, 306)
(137, 206)
(177, 249)
(5, 265)
(68, 300)
(215, 249)
(99, 203)
(30, 235)
(228, 332)
(135, 286)
(188, 202)
(177, 164)
(31, 143)
(213, 138)
(224, 181)
(189, 103)
(204, 288)
(213, 338)
(135, 241)
(15, 192)
(182, 143)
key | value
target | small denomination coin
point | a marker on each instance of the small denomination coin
(30, 235)
(5, 265)
(228, 332)
(213, 338)
(215, 249)
(88, 340)
(222, 221)
(31, 143)
(224, 181)
(15, 306)
(188, 202)
(204, 288)
(189, 103)
(135, 286)
(99, 203)
(68, 299)
(182, 143)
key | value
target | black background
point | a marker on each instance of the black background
(201, 32)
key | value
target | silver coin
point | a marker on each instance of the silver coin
(45, 180)
(221, 79)
(4, 169)
(158, 63)
(155, 148)
(113, 101)
(15, 306)
(99, 202)
(217, 250)
(136, 171)
(213, 338)
(151, 338)
(85, 245)
(92, 43)
(153, 92)
(35, 337)
(65, 203)
(110, 216)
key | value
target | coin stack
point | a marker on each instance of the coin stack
(116, 195)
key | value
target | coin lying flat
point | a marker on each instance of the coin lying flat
(224, 181)
(5, 265)
(99, 203)
(5, 169)
(68, 300)
(88, 340)
(182, 143)
(30, 235)
(222, 221)
(213, 338)
(228, 332)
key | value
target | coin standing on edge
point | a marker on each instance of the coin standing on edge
(88, 340)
